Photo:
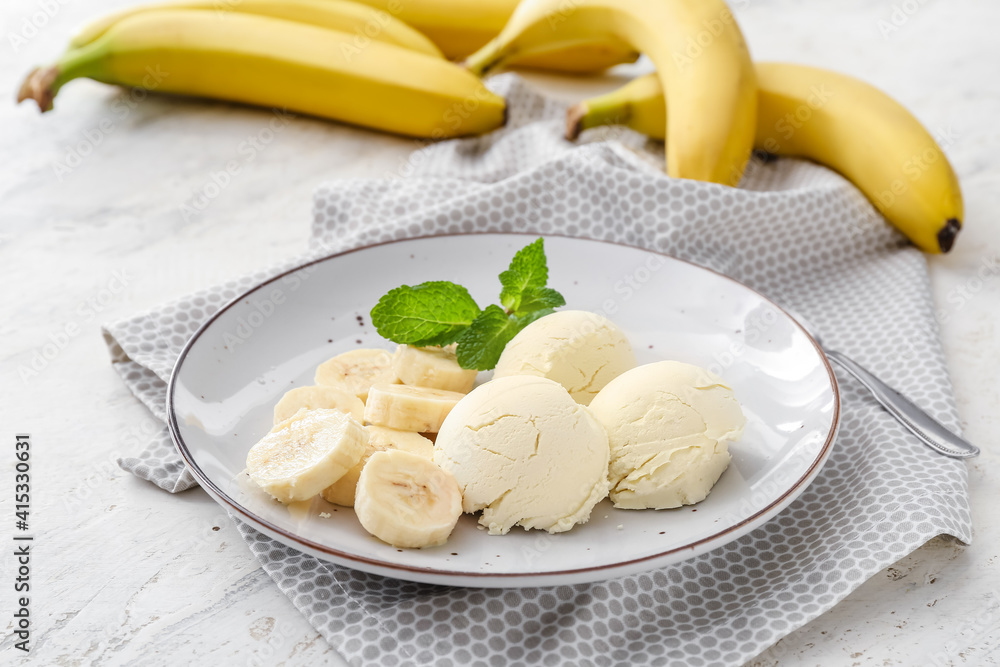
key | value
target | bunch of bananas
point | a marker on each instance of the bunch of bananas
(832, 119)
(385, 64)
(722, 106)
(328, 58)
(377, 63)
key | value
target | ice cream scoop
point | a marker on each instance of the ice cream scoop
(525, 453)
(669, 427)
(580, 350)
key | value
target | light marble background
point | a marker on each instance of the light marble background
(127, 574)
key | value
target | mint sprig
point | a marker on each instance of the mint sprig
(439, 313)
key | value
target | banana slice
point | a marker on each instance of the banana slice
(380, 439)
(408, 441)
(356, 371)
(311, 398)
(406, 500)
(433, 367)
(306, 453)
(418, 409)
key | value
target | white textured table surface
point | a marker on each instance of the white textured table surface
(94, 227)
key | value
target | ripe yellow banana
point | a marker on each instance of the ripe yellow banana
(276, 63)
(460, 27)
(364, 22)
(702, 61)
(832, 119)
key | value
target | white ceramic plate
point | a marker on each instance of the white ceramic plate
(238, 365)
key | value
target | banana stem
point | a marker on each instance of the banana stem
(594, 113)
(43, 83)
(38, 86)
(484, 60)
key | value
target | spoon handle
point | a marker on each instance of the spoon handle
(921, 424)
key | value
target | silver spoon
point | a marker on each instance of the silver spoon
(931, 432)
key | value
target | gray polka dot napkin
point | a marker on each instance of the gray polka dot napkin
(794, 231)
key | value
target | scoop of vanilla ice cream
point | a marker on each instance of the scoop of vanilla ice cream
(580, 350)
(669, 425)
(524, 452)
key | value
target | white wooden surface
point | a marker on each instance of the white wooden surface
(127, 574)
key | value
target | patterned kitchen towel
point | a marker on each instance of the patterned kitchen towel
(796, 232)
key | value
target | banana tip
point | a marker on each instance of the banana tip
(472, 66)
(947, 235)
(484, 61)
(38, 87)
(574, 120)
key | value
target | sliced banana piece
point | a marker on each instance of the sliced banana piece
(408, 441)
(380, 439)
(433, 367)
(407, 500)
(356, 371)
(311, 398)
(306, 453)
(418, 409)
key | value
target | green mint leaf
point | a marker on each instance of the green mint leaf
(442, 340)
(431, 311)
(480, 345)
(440, 313)
(510, 293)
(525, 320)
(528, 270)
(539, 298)
(529, 262)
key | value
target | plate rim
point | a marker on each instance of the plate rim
(249, 517)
